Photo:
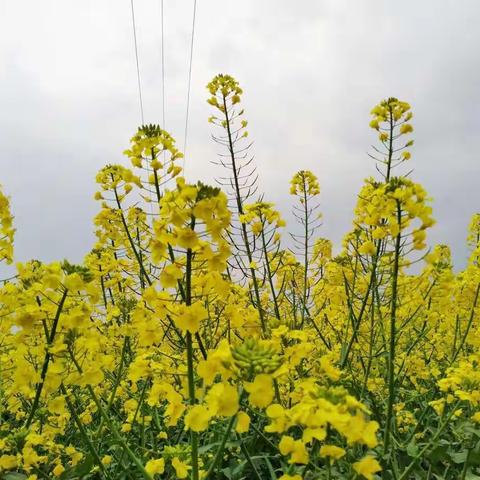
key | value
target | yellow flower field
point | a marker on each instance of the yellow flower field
(199, 340)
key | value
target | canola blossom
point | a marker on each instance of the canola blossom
(198, 340)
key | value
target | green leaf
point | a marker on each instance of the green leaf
(459, 457)
(438, 453)
(412, 449)
(85, 467)
(234, 472)
(474, 458)
(270, 469)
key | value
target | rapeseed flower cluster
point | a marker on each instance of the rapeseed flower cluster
(6, 229)
(195, 341)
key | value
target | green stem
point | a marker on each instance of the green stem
(130, 239)
(83, 432)
(465, 465)
(390, 146)
(221, 448)
(238, 197)
(270, 276)
(111, 426)
(116, 384)
(118, 437)
(357, 319)
(422, 452)
(392, 343)
(469, 325)
(249, 458)
(46, 361)
(191, 379)
(305, 253)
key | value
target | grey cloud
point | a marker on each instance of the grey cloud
(311, 71)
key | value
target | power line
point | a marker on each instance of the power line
(139, 81)
(189, 83)
(163, 69)
(137, 62)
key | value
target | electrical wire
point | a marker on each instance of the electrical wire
(137, 62)
(163, 68)
(189, 83)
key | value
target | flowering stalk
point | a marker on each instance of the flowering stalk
(270, 276)
(246, 240)
(110, 424)
(117, 435)
(83, 432)
(130, 239)
(393, 333)
(469, 325)
(304, 185)
(305, 251)
(228, 88)
(191, 380)
(221, 448)
(46, 361)
(405, 474)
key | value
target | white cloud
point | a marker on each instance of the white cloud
(310, 70)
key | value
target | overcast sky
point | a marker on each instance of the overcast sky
(311, 70)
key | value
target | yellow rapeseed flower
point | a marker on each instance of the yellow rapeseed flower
(367, 467)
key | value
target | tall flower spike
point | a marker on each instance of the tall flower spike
(6, 230)
(304, 185)
(473, 238)
(153, 150)
(225, 97)
(391, 119)
(242, 181)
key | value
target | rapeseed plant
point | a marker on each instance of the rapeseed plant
(192, 342)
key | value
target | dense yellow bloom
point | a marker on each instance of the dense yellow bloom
(304, 182)
(406, 128)
(332, 451)
(170, 276)
(259, 215)
(58, 470)
(186, 238)
(367, 248)
(296, 448)
(260, 390)
(197, 418)
(8, 462)
(6, 229)
(181, 468)
(189, 317)
(243, 422)
(154, 467)
(367, 467)
(150, 143)
(279, 418)
(172, 324)
(222, 400)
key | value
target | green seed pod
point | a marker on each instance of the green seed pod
(253, 357)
